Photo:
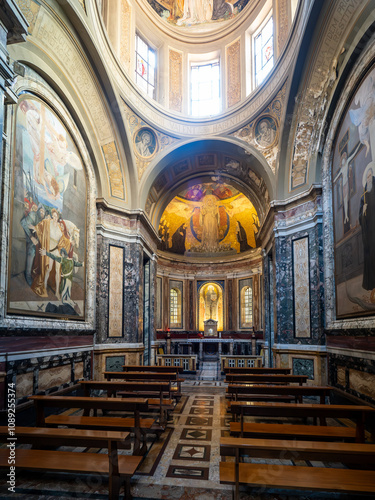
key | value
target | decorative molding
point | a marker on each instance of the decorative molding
(125, 34)
(116, 179)
(312, 105)
(30, 10)
(233, 64)
(175, 80)
(248, 134)
(135, 123)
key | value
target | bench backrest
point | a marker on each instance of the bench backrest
(259, 370)
(265, 378)
(173, 377)
(154, 369)
(304, 390)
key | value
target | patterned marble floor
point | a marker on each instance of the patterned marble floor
(182, 464)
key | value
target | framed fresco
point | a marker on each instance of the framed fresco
(353, 178)
(47, 246)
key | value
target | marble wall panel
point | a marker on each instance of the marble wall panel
(54, 377)
(79, 370)
(116, 292)
(284, 290)
(301, 287)
(341, 375)
(24, 384)
(362, 382)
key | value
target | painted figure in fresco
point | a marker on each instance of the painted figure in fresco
(196, 11)
(363, 117)
(178, 240)
(266, 134)
(144, 145)
(344, 170)
(242, 237)
(28, 223)
(164, 234)
(209, 221)
(367, 221)
(67, 266)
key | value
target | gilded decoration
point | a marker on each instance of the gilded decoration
(116, 179)
(145, 148)
(125, 34)
(82, 2)
(263, 132)
(30, 10)
(211, 304)
(209, 218)
(115, 294)
(175, 80)
(313, 104)
(233, 54)
(301, 288)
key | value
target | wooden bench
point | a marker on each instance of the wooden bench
(357, 413)
(116, 467)
(257, 370)
(135, 424)
(250, 378)
(295, 392)
(131, 389)
(298, 477)
(171, 377)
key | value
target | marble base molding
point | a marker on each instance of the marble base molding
(303, 360)
(111, 357)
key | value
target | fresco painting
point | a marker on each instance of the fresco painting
(187, 13)
(209, 218)
(353, 176)
(47, 245)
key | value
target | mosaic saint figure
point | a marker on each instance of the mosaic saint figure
(242, 237)
(178, 240)
(209, 221)
(211, 303)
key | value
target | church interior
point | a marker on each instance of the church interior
(185, 205)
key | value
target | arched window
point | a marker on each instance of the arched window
(175, 308)
(246, 307)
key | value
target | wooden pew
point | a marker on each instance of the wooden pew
(137, 425)
(358, 413)
(250, 378)
(175, 391)
(118, 468)
(154, 369)
(250, 392)
(298, 477)
(125, 389)
(255, 370)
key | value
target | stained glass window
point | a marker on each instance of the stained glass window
(263, 51)
(205, 89)
(145, 69)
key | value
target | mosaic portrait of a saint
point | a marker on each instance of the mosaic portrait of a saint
(353, 175)
(47, 245)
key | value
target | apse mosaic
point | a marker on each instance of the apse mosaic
(207, 219)
(353, 178)
(187, 13)
(47, 249)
